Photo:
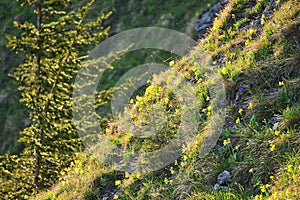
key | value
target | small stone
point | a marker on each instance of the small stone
(224, 178)
(216, 186)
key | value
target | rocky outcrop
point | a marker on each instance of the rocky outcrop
(206, 19)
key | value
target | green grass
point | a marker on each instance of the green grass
(260, 141)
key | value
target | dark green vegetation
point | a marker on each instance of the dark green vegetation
(257, 54)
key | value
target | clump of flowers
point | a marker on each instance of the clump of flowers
(226, 142)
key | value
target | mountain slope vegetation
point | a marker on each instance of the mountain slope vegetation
(255, 48)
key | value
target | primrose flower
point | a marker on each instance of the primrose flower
(166, 100)
(295, 178)
(225, 142)
(171, 63)
(166, 181)
(207, 98)
(272, 147)
(185, 157)
(116, 196)
(118, 182)
(290, 168)
(209, 108)
(263, 188)
(238, 121)
(126, 175)
(277, 133)
(251, 170)
(281, 83)
(250, 107)
(128, 137)
(240, 111)
(138, 175)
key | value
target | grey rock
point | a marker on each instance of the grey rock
(224, 178)
(206, 19)
(216, 8)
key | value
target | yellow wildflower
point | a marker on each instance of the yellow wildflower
(274, 195)
(287, 193)
(207, 98)
(185, 157)
(277, 133)
(172, 63)
(251, 31)
(238, 121)
(294, 177)
(166, 100)
(128, 137)
(281, 83)
(263, 188)
(118, 182)
(166, 181)
(290, 168)
(240, 111)
(251, 170)
(250, 107)
(126, 175)
(116, 196)
(209, 108)
(225, 142)
(138, 175)
(272, 147)
(182, 164)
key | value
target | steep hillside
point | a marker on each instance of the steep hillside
(132, 14)
(254, 47)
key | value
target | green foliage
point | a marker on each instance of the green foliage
(260, 142)
(53, 49)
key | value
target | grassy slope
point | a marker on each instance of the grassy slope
(260, 67)
(125, 16)
(263, 152)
